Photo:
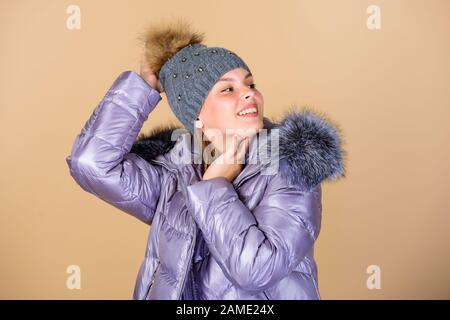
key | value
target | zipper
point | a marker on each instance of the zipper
(194, 286)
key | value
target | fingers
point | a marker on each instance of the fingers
(242, 149)
(238, 149)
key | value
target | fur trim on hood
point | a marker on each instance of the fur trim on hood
(309, 142)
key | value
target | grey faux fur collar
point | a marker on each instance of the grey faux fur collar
(310, 144)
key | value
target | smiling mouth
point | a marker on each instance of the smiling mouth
(249, 112)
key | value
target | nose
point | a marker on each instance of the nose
(248, 94)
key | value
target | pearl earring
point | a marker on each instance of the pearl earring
(199, 124)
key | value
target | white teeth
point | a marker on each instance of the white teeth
(249, 110)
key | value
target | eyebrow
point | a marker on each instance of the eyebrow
(232, 79)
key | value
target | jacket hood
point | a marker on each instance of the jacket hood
(310, 146)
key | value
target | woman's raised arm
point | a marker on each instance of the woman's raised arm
(100, 160)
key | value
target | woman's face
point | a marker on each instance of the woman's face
(234, 92)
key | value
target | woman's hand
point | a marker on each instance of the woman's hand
(230, 163)
(148, 75)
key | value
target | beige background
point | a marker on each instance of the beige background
(388, 89)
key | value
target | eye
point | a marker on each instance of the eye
(253, 86)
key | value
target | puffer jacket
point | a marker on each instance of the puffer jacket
(249, 239)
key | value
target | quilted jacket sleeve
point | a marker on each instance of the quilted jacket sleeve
(255, 249)
(100, 160)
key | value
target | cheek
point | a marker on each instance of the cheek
(260, 97)
(214, 113)
(223, 108)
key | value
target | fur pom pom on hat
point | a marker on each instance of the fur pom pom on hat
(186, 68)
(163, 41)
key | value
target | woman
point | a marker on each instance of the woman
(230, 230)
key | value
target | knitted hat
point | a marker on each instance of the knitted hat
(187, 68)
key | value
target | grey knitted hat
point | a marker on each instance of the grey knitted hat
(188, 76)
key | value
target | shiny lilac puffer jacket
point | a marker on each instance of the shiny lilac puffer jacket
(212, 239)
